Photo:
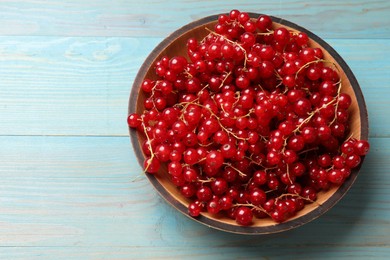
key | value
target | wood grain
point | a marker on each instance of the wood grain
(365, 19)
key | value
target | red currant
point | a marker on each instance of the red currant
(244, 216)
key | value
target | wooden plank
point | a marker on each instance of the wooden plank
(84, 196)
(29, 158)
(57, 86)
(175, 252)
(330, 19)
(80, 86)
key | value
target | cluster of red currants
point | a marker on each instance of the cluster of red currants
(253, 124)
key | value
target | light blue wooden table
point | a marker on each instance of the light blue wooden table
(70, 186)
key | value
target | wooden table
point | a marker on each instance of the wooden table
(70, 185)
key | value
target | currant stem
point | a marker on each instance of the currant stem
(251, 206)
(288, 173)
(294, 195)
(313, 62)
(206, 180)
(234, 168)
(337, 104)
(266, 33)
(308, 150)
(149, 147)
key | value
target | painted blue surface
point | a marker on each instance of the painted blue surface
(70, 185)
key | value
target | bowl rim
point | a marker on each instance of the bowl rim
(211, 222)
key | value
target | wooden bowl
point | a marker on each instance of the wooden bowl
(174, 45)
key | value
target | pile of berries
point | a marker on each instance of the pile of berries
(253, 123)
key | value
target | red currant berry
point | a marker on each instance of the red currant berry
(278, 216)
(309, 193)
(264, 23)
(214, 159)
(219, 186)
(338, 161)
(234, 14)
(134, 120)
(213, 206)
(302, 39)
(225, 202)
(352, 161)
(204, 194)
(175, 168)
(361, 147)
(151, 165)
(348, 147)
(188, 190)
(244, 216)
(335, 176)
(194, 209)
(257, 197)
(177, 64)
(324, 160)
(296, 143)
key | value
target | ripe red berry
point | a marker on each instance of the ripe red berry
(194, 209)
(336, 176)
(219, 186)
(352, 161)
(264, 23)
(302, 39)
(226, 202)
(361, 147)
(234, 14)
(213, 206)
(244, 216)
(151, 165)
(257, 197)
(177, 64)
(214, 159)
(204, 194)
(134, 120)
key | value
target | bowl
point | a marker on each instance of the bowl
(175, 44)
